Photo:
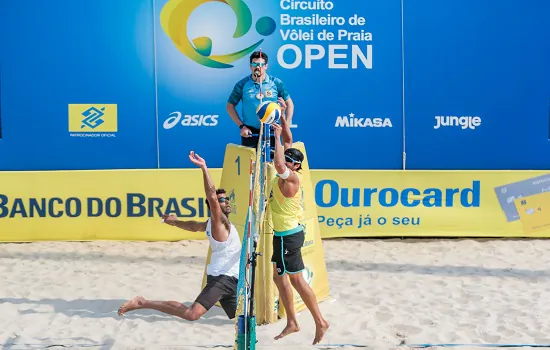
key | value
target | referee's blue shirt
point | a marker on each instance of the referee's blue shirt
(246, 90)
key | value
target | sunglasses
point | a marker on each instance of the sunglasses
(289, 159)
(257, 64)
(223, 199)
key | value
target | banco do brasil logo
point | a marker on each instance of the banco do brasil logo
(175, 15)
(92, 117)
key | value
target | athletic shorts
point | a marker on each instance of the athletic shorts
(287, 253)
(220, 288)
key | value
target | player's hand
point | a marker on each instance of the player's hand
(277, 130)
(197, 160)
(282, 103)
(169, 219)
(245, 132)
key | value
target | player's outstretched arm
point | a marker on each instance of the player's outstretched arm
(219, 220)
(188, 225)
(290, 180)
(279, 156)
(285, 125)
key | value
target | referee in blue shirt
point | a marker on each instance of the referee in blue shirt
(247, 90)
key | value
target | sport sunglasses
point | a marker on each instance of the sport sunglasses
(291, 160)
(223, 199)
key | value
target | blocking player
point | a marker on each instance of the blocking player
(286, 209)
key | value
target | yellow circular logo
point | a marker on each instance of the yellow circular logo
(176, 13)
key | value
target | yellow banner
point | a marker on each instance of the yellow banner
(100, 205)
(433, 203)
(127, 204)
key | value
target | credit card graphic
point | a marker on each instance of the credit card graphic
(507, 194)
(534, 212)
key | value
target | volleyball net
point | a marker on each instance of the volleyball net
(245, 327)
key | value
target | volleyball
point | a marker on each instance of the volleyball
(269, 112)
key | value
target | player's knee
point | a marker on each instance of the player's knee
(297, 280)
(193, 313)
(280, 280)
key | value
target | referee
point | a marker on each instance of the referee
(247, 90)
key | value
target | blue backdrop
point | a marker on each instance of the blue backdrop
(457, 84)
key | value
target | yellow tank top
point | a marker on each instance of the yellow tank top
(286, 213)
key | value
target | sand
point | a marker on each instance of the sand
(383, 293)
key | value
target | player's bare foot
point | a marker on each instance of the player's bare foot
(131, 305)
(290, 328)
(320, 331)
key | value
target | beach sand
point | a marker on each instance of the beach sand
(383, 293)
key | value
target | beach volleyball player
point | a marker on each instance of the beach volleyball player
(248, 91)
(223, 270)
(286, 209)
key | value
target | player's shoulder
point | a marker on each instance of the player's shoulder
(297, 176)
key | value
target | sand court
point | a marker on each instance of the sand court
(383, 293)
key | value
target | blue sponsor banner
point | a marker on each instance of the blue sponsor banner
(477, 84)
(339, 61)
(457, 84)
(65, 61)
